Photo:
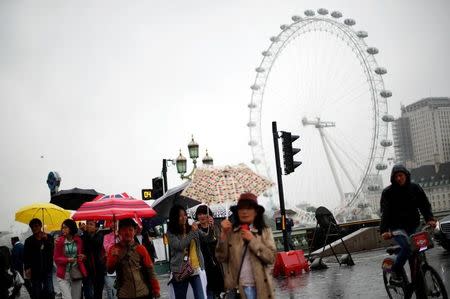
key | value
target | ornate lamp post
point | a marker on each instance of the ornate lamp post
(181, 161)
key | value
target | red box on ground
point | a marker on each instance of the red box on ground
(290, 263)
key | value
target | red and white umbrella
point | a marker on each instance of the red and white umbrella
(114, 209)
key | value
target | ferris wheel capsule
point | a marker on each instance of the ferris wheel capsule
(386, 143)
(266, 53)
(252, 143)
(260, 69)
(362, 34)
(349, 22)
(322, 11)
(336, 14)
(251, 106)
(251, 124)
(255, 87)
(388, 118)
(296, 18)
(381, 166)
(274, 39)
(310, 13)
(386, 93)
(255, 161)
(380, 71)
(284, 27)
(372, 50)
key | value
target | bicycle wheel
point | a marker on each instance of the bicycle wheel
(435, 287)
(393, 290)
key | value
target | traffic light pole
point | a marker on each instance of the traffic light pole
(280, 185)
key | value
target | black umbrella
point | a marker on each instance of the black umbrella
(163, 204)
(72, 199)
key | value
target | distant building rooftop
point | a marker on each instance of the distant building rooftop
(427, 176)
(432, 102)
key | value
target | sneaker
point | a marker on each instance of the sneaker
(396, 279)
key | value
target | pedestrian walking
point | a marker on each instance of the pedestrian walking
(247, 248)
(17, 253)
(136, 277)
(147, 241)
(94, 262)
(208, 242)
(399, 206)
(186, 259)
(69, 257)
(38, 261)
(110, 278)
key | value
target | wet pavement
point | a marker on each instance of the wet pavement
(363, 280)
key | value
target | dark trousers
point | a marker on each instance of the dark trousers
(93, 287)
(42, 287)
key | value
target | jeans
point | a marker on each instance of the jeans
(250, 292)
(42, 286)
(111, 292)
(70, 289)
(405, 251)
(180, 287)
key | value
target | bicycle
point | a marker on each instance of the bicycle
(425, 280)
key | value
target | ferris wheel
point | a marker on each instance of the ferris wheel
(319, 79)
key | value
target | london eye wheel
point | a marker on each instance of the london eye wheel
(320, 80)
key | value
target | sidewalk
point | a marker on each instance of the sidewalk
(363, 280)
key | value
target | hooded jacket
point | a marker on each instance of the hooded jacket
(400, 205)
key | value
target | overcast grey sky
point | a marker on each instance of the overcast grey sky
(103, 90)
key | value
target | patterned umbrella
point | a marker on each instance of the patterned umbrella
(218, 211)
(219, 185)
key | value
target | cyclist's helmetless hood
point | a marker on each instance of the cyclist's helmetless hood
(400, 168)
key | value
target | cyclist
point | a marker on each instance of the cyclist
(399, 206)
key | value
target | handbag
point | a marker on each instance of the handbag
(75, 273)
(234, 293)
(186, 269)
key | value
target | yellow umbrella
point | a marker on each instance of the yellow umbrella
(51, 215)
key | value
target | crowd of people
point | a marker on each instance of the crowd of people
(230, 259)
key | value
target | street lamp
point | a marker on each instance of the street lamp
(181, 161)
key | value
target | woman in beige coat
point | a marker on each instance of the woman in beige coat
(246, 249)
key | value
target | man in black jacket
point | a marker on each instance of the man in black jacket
(94, 262)
(38, 261)
(400, 205)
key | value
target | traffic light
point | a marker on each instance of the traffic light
(158, 190)
(289, 152)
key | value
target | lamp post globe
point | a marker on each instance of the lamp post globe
(207, 160)
(193, 149)
(181, 164)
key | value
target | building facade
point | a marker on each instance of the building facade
(422, 133)
(435, 181)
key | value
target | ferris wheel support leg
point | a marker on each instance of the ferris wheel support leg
(347, 174)
(333, 169)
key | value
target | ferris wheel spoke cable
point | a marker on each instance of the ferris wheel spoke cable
(347, 101)
(341, 88)
(357, 164)
(343, 96)
(350, 142)
(333, 71)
